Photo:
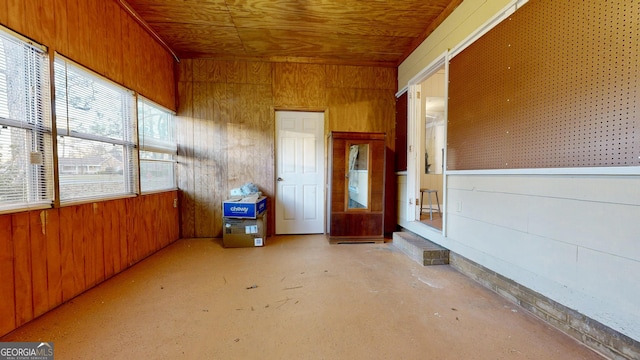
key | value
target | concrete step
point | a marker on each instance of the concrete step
(420, 249)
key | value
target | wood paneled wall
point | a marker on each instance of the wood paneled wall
(226, 125)
(49, 256)
(101, 36)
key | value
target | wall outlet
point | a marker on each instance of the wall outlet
(175, 202)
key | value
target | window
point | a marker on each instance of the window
(96, 135)
(158, 148)
(26, 176)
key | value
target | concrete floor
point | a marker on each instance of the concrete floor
(296, 298)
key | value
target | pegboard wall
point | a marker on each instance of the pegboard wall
(554, 85)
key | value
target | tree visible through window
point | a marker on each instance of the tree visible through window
(96, 135)
(26, 176)
(158, 147)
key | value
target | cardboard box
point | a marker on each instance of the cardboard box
(244, 208)
(244, 232)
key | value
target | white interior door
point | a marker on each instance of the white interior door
(299, 172)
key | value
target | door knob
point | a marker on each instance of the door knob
(280, 179)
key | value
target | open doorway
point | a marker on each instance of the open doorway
(432, 146)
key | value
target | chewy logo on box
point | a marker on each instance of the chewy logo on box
(241, 208)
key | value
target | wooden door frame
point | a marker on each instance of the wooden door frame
(414, 141)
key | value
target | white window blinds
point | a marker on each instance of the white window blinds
(96, 135)
(158, 148)
(26, 176)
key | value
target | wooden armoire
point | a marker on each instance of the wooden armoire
(355, 211)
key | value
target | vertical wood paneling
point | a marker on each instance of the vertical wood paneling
(141, 55)
(238, 139)
(265, 125)
(220, 155)
(29, 20)
(22, 267)
(186, 141)
(141, 244)
(75, 34)
(138, 239)
(259, 127)
(4, 13)
(44, 21)
(78, 249)
(366, 110)
(234, 144)
(158, 223)
(167, 219)
(89, 245)
(184, 73)
(149, 206)
(131, 233)
(39, 251)
(209, 70)
(166, 82)
(98, 239)
(161, 222)
(207, 179)
(66, 252)
(99, 29)
(155, 226)
(54, 256)
(128, 52)
(173, 221)
(198, 154)
(113, 41)
(16, 15)
(110, 236)
(7, 285)
(120, 222)
(200, 70)
(299, 86)
(50, 256)
(236, 72)
(61, 39)
(259, 73)
(361, 77)
(100, 36)
(203, 121)
(88, 24)
(155, 237)
(142, 224)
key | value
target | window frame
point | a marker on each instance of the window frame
(128, 142)
(156, 146)
(36, 121)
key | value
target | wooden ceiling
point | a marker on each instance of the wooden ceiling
(356, 32)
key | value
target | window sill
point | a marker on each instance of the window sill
(23, 208)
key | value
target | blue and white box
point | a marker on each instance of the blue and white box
(245, 208)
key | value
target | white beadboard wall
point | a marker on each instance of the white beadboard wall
(573, 238)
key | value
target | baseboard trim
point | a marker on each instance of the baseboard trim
(593, 334)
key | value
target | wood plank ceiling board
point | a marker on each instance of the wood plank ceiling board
(348, 32)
